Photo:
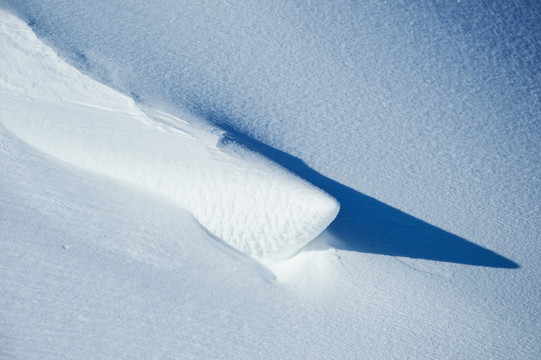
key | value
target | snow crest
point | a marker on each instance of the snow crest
(254, 206)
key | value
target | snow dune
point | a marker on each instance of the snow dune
(253, 205)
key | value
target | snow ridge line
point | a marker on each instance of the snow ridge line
(248, 202)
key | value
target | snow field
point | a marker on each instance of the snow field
(423, 116)
(254, 206)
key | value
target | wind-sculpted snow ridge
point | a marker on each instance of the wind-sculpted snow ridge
(254, 206)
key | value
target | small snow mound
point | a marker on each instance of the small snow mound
(264, 213)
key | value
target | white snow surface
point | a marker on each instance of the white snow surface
(420, 117)
(255, 207)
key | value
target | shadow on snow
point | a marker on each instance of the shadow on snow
(365, 224)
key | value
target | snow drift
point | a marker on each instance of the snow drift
(251, 204)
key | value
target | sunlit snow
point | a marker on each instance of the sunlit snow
(256, 207)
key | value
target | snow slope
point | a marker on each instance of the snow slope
(255, 207)
(432, 108)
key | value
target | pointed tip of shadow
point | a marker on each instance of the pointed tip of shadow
(511, 265)
(378, 228)
(370, 226)
(365, 224)
(504, 263)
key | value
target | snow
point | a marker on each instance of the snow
(255, 207)
(420, 118)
